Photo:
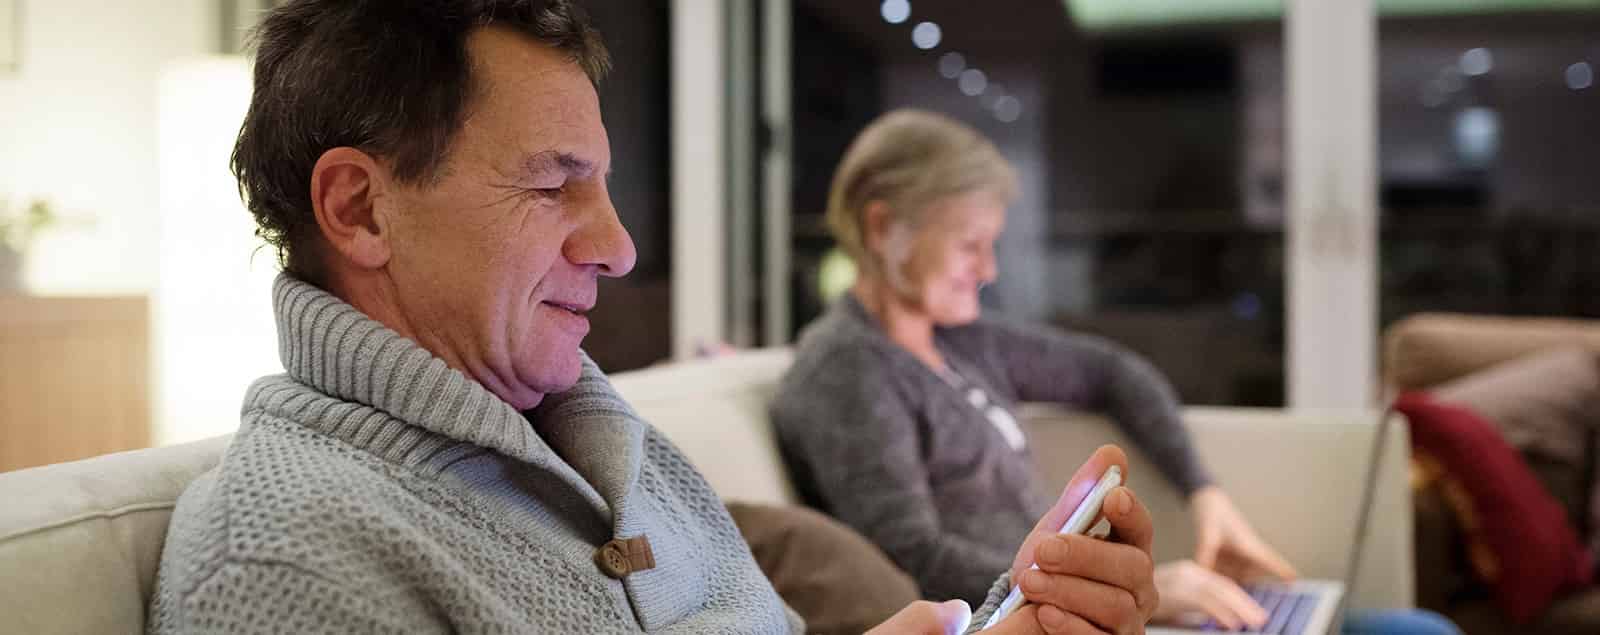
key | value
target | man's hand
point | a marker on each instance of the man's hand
(928, 618)
(1084, 585)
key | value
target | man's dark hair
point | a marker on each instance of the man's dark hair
(388, 77)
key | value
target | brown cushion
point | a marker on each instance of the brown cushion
(829, 574)
(1423, 351)
(1576, 614)
(1547, 405)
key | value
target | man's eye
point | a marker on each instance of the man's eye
(548, 192)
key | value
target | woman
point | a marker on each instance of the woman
(896, 416)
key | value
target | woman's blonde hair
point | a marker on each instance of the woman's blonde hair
(910, 159)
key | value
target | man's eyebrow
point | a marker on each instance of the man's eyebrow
(551, 160)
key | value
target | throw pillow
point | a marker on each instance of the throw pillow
(1546, 405)
(1519, 539)
(832, 576)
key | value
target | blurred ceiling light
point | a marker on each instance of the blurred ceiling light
(1580, 76)
(1007, 109)
(896, 11)
(994, 94)
(1477, 136)
(1478, 61)
(926, 35)
(973, 82)
(951, 64)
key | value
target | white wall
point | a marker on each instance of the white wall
(213, 328)
(78, 125)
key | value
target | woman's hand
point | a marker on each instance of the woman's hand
(1225, 542)
(1188, 588)
(1084, 585)
(928, 618)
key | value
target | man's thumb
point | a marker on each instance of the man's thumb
(956, 615)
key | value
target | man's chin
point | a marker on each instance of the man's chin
(539, 379)
(559, 374)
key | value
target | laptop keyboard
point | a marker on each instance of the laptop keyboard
(1287, 610)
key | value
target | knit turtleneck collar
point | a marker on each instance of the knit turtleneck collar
(587, 432)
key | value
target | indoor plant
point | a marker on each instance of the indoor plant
(18, 229)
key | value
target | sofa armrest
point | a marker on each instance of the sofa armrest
(1297, 477)
(1428, 349)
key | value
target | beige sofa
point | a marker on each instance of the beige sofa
(80, 542)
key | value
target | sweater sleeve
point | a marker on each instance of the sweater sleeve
(1092, 373)
(267, 597)
(991, 602)
(859, 443)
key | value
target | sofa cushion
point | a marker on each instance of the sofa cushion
(1519, 539)
(1547, 405)
(832, 576)
(715, 411)
(80, 541)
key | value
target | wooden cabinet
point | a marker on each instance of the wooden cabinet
(74, 378)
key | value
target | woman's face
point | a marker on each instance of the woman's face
(952, 256)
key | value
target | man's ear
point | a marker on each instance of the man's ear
(875, 226)
(345, 185)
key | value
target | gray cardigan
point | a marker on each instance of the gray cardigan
(878, 439)
(372, 488)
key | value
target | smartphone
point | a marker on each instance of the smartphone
(1079, 523)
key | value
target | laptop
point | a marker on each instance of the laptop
(1306, 607)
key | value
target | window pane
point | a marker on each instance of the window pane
(1149, 150)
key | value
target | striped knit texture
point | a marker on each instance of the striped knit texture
(373, 488)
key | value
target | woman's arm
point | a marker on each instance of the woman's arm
(1095, 374)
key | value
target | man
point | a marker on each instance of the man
(440, 454)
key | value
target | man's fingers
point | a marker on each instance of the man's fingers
(928, 618)
(1058, 622)
(1080, 484)
(1076, 490)
(1119, 565)
(1109, 608)
(1024, 621)
(1130, 520)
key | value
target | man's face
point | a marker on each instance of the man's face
(496, 261)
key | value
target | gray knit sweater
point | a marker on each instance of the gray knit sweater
(372, 488)
(878, 439)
